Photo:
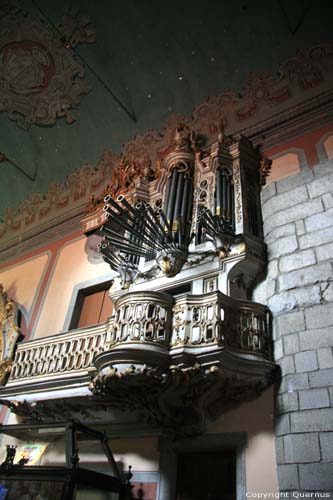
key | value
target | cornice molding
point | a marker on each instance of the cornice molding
(267, 110)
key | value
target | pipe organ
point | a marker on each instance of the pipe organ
(209, 198)
(183, 237)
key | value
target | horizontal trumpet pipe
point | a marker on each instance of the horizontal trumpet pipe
(114, 236)
(127, 249)
(130, 229)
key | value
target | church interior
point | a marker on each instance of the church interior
(166, 250)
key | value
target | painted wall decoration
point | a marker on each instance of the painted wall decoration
(40, 79)
(303, 82)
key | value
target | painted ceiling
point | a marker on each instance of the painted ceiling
(149, 59)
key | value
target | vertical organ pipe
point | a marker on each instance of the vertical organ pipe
(224, 195)
(232, 207)
(218, 191)
(172, 195)
(189, 202)
(228, 200)
(179, 195)
(166, 195)
(186, 195)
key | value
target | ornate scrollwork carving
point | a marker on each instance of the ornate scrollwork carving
(40, 79)
(170, 399)
(142, 317)
(10, 333)
(264, 171)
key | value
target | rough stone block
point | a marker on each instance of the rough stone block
(278, 349)
(326, 445)
(279, 450)
(270, 287)
(288, 477)
(291, 344)
(306, 361)
(287, 365)
(316, 238)
(305, 277)
(290, 323)
(323, 169)
(319, 316)
(315, 339)
(275, 331)
(268, 192)
(312, 420)
(292, 214)
(280, 232)
(313, 398)
(300, 227)
(264, 290)
(297, 261)
(321, 186)
(282, 246)
(327, 292)
(330, 391)
(318, 476)
(301, 297)
(324, 252)
(272, 269)
(325, 357)
(284, 201)
(328, 201)
(301, 448)
(321, 378)
(291, 182)
(319, 221)
(289, 401)
(295, 382)
(282, 425)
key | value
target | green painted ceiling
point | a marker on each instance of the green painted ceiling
(158, 58)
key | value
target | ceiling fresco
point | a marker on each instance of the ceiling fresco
(148, 60)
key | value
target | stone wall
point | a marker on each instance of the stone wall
(298, 227)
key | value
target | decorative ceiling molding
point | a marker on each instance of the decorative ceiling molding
(303, 88)
(40, 79)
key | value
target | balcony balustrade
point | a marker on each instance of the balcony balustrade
(146, 323)
(58, 356)
(143, 317)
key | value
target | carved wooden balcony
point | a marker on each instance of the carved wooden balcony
(179, 361)
(58, 359)
(141, 329)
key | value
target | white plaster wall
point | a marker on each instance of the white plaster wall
(257, 420)
(22, 282)
(70, 270)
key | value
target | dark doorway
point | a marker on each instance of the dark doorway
(206, 476)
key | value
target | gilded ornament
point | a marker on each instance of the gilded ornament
(9, 336)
